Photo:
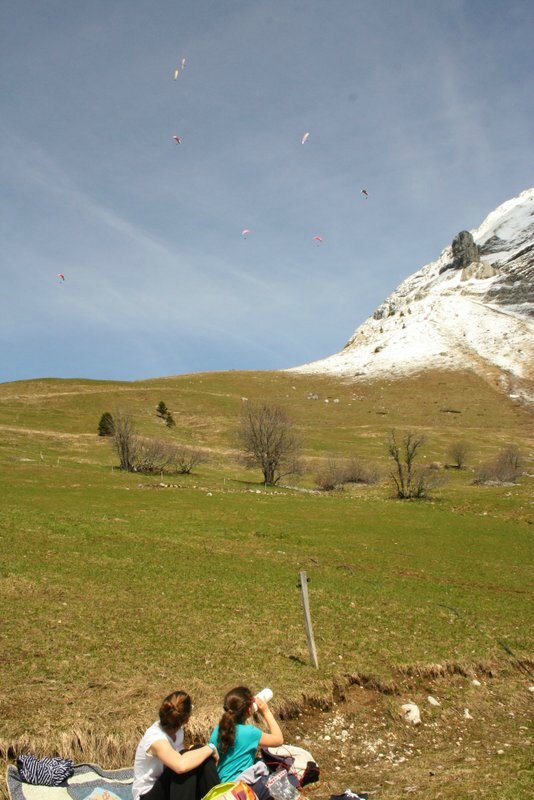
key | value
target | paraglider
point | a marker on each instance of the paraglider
(177, 71)
(177, 139)
(305, 138)
(61, 276)
(245, 232)
(365, 193)
(318, 239)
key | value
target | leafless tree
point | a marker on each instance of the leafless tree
(125, 440)
(458, 452)
(410, 482)
(268, 441)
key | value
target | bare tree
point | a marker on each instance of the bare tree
(458, 452)
(125, 440)
(409, 481)
(269, 442)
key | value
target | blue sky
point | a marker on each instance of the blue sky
(425, 103)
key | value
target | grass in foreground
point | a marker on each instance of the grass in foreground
(114, 590)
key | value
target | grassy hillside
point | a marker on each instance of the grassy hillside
(115, 589)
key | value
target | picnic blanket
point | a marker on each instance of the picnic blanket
(89, 782)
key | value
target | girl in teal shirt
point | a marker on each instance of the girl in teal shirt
(238, 742)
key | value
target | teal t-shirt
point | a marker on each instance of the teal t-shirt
(241, 756)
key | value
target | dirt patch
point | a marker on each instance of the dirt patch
(475, 741)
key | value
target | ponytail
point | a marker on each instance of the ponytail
(237, 705)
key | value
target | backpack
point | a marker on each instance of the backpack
(295, 760)
(231, 791)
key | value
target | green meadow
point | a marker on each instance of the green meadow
(116, 588)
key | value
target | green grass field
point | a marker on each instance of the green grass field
(115, 590)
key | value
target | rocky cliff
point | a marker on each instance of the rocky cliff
(472, 308)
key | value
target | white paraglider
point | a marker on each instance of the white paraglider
(305, 138)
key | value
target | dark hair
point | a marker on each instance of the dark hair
(237, 705)
(174, 711)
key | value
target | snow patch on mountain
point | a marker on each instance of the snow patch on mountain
(473, 308)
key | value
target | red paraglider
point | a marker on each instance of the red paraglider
(365, 193)
(177, 139)
(318, 239)
(61, 276)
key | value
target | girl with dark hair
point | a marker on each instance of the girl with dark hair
(163, 770)
(238, 742)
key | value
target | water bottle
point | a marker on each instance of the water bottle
(265, 694)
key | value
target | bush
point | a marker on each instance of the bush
(357, 471)
(506, 468)
(186, 458)
(331, 476)
(336, 472)
(458, 452)
(157, 456)
(162, 410)
(106, 426)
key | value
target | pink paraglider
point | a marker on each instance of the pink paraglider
(365, 193)
(245, 232)
(305, 138)
(177, 139)
(318, 239)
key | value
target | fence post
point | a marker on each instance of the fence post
(303, 586)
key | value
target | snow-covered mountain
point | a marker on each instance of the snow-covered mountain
(473, 308)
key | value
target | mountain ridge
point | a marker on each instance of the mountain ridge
(471, 308)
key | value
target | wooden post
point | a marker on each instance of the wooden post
(303, 586)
